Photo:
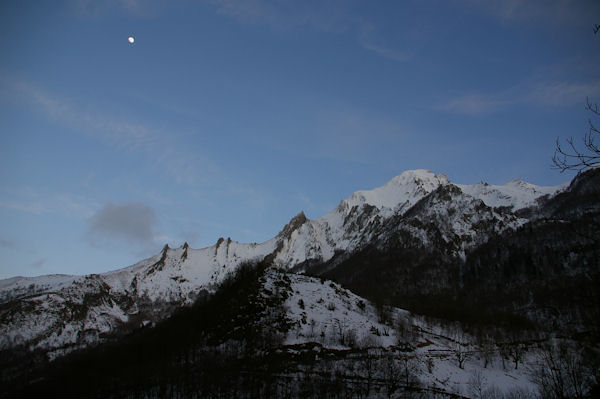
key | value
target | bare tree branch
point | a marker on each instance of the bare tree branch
(574, 157)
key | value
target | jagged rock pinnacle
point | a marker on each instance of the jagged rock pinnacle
(185, 247)
(293, 225)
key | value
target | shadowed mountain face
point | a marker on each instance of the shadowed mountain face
(543, 272)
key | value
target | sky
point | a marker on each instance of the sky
(225, 118)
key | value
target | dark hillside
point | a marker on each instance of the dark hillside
(203, 349)
(545, 274)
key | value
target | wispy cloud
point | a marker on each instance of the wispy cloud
(561, 94)
(122, 133)
(27, 199)
(330, 16)
(541, 11)
(334, 16)
(133, 8)
(539, 94)
(37, 264)
(34, 208)
(370, 40)
(473, 104)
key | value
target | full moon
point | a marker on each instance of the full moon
(131, 39)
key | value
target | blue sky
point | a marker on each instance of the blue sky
(226, 117)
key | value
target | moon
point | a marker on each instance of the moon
(131, 39)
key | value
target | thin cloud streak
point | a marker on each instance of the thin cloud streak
(328, 16)
(26, 199)
(545, 94)
(369, 40)
(331, 16)
(121, 133)
(540, 11)
(473, 104)
(562, 94)
(135, 8)
(34, 208)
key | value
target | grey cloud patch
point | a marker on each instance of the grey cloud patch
(4, 243)
(37, 264)
(131, 221)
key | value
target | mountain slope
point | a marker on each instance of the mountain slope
(435, 222)
(452, 255)
(266, 333)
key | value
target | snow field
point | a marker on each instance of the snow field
(325, 313)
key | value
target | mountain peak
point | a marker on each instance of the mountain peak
(421, 177)
(405, 189)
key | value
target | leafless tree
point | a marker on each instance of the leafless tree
(340, 328)
(369, 366)
(459, 348)
(391, 373)
(561, 372)
(574, 157)
(407, 371)
(477, 384)
(504, 351)
(487, 349)
(516, 351)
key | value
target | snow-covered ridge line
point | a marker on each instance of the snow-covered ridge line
(156, 278)
(412, 185)
(307, 238)
(516, 193)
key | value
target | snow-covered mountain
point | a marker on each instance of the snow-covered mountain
(60, 313)
(359, 218)
(491, 276)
